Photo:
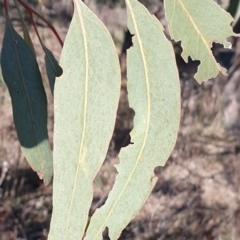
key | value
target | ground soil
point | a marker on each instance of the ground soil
(197, 196)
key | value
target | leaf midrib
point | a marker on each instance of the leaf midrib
(84, 111)
(28, 100)
(147, 122)
(199, 33)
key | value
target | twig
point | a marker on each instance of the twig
(31, 11)
(6, 8)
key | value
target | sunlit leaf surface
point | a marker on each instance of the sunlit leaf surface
(154, 94)
(197, 24)
(86, 99)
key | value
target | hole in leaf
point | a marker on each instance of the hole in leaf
(189, 68)
(222, 55)
(127, 141)
(105, 234)
(127, 41)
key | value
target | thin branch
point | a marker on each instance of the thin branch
(31, 11)
(6, 8)
(35, 27)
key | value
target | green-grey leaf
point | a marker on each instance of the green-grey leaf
(86, 99)
(197, 24)
(21, 74)
(52, 66)
(154, 94)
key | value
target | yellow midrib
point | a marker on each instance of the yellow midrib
(147, 123)
(199, 33)
(84, 111)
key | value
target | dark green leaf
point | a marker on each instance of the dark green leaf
(21, 74)
(233, 7)
(52, 66)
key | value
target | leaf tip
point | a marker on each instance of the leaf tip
(42, 176)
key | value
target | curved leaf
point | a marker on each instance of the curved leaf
(52, 66)
(233, 8)
(21, 74)
(154, 94)
(86, 99)
(197, 24)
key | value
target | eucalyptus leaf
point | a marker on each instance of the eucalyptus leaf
(52, 66)
(154, 94)
(85, 101)
(22, 77)
(197, 24)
